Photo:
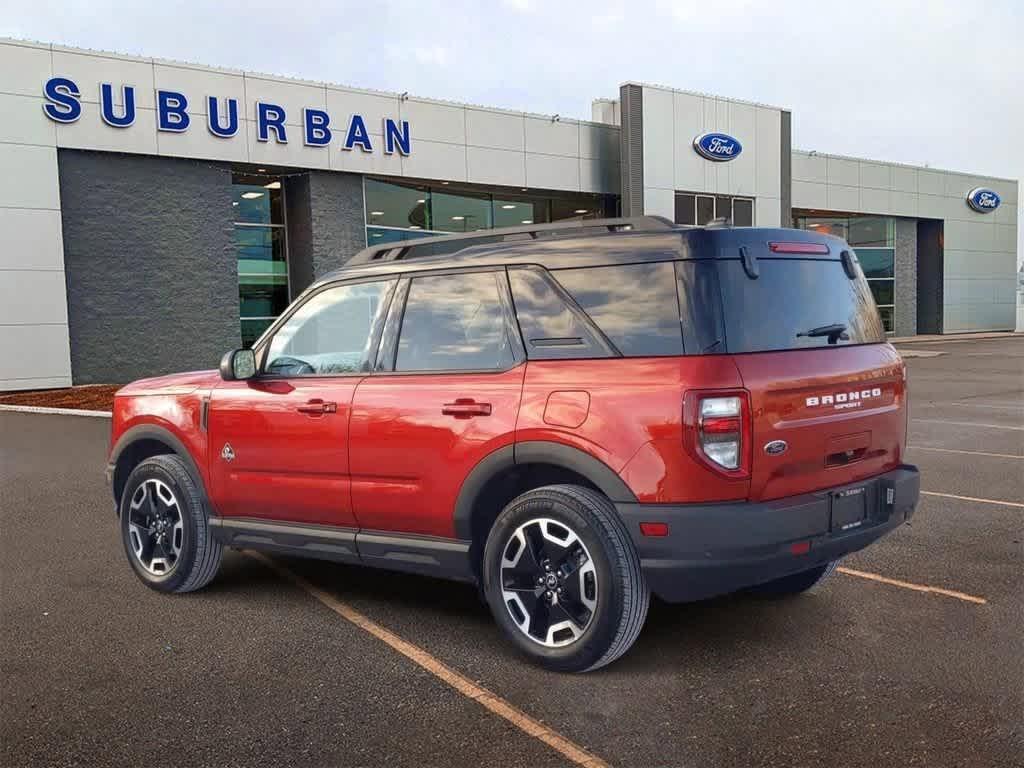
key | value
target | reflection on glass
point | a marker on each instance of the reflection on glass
(330, 333)
(742, 212)
(253, 202)
(461, 212)
(551, 328)
(876, 262)
(705, 210)
(454, 322)
(394, 205)
(887, 318)
(882, 290)
(792, 297)
(634, 305)
(686, 209)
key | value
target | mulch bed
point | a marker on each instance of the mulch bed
(92, 397)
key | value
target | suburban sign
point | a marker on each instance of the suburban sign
(63, 105)
(717, 146)
(983, 200)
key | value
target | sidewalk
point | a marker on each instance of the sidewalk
(956, 337)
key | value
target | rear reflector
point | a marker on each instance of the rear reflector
(800, 547)
(654, 529)
(820, 248)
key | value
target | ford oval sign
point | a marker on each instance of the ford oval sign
(983, 200)
(717, 146)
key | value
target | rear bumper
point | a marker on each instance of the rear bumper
(713, 549)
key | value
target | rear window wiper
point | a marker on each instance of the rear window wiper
(834, 332)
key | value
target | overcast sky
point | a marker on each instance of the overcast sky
(938, 82)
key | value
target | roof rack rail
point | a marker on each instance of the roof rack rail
(448, 244)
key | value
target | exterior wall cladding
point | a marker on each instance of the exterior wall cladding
(140, 282)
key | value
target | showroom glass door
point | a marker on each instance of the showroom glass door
(258, 207)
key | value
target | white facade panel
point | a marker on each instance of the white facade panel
(599, 176)
(373, 108)
(809, 194)
(843, 198)
(35, 169)
(875, 176)
(550, 137)
(599, 142)
(904, 179)
(198, 85)
(552, 172)
(358, 161)
(31, 239)
(845, 173)
(200, 143)
(89, 70)
(24, 121)
(810, 167)
(659, 139)
(495, 166)
(90, 132)
(32, 297)
(768, 212)
(660, 202)
(436, 160)
(435, 122)
(768, 152)
(25, 67)
(875, 200)
(495, 130)
(295, 152)
(291, 95)
(34, 356)
(690, 168)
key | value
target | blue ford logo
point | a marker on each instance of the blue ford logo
(717, 146)
(983, 200)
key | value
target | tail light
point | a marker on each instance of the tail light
(718, 430)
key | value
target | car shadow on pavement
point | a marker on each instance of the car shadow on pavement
(710, 633)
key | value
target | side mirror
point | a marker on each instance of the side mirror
(238, 365)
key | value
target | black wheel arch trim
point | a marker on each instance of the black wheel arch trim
(160, 434)
(535, 452)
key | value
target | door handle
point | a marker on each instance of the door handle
(466, 408)
(317, 407)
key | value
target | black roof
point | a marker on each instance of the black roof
(561, 245)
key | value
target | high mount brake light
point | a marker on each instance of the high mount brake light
(817, 248)
(719, 429)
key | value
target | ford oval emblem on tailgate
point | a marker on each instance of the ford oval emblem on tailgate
(775, 447)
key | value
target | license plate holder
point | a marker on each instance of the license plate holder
(849, 508)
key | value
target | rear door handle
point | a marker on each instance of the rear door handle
(466, 408)
(317, 407)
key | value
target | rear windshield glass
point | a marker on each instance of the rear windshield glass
(795, 304)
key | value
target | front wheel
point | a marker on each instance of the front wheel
(563, 579)
(164, 527)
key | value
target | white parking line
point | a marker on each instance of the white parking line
(970, 424)
(970, 453)
(974, 498)
(493, 703)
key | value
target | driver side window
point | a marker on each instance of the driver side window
(331, 333)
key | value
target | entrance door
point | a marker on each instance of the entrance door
(279, 441)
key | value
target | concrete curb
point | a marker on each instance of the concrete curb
(55, 411)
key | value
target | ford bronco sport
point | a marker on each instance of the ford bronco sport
(570, 416)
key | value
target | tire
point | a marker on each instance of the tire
(796, 583)
(598, 596)
(162, 499)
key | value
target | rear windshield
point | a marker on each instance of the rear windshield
(795, 304)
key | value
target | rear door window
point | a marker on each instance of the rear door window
(796, 304)
(634, 305)
(454, 322)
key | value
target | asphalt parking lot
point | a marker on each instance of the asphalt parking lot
(97, 670)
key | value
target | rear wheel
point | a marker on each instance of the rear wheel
(796, 583)
(164, 527)
(563, 579)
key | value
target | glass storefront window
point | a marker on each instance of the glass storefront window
(263, 294)
(399, 211)
(692, 208)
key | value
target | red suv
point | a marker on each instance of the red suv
(570, 416)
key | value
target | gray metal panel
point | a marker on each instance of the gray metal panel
(786, 175)
(631, 139)
(152, 275)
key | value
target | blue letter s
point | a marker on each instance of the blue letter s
(62, 100)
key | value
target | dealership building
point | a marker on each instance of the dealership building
(157, 213)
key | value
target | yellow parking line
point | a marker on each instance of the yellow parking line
(495, 704)
(915, 587)
(971, 453)
(974, 498)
